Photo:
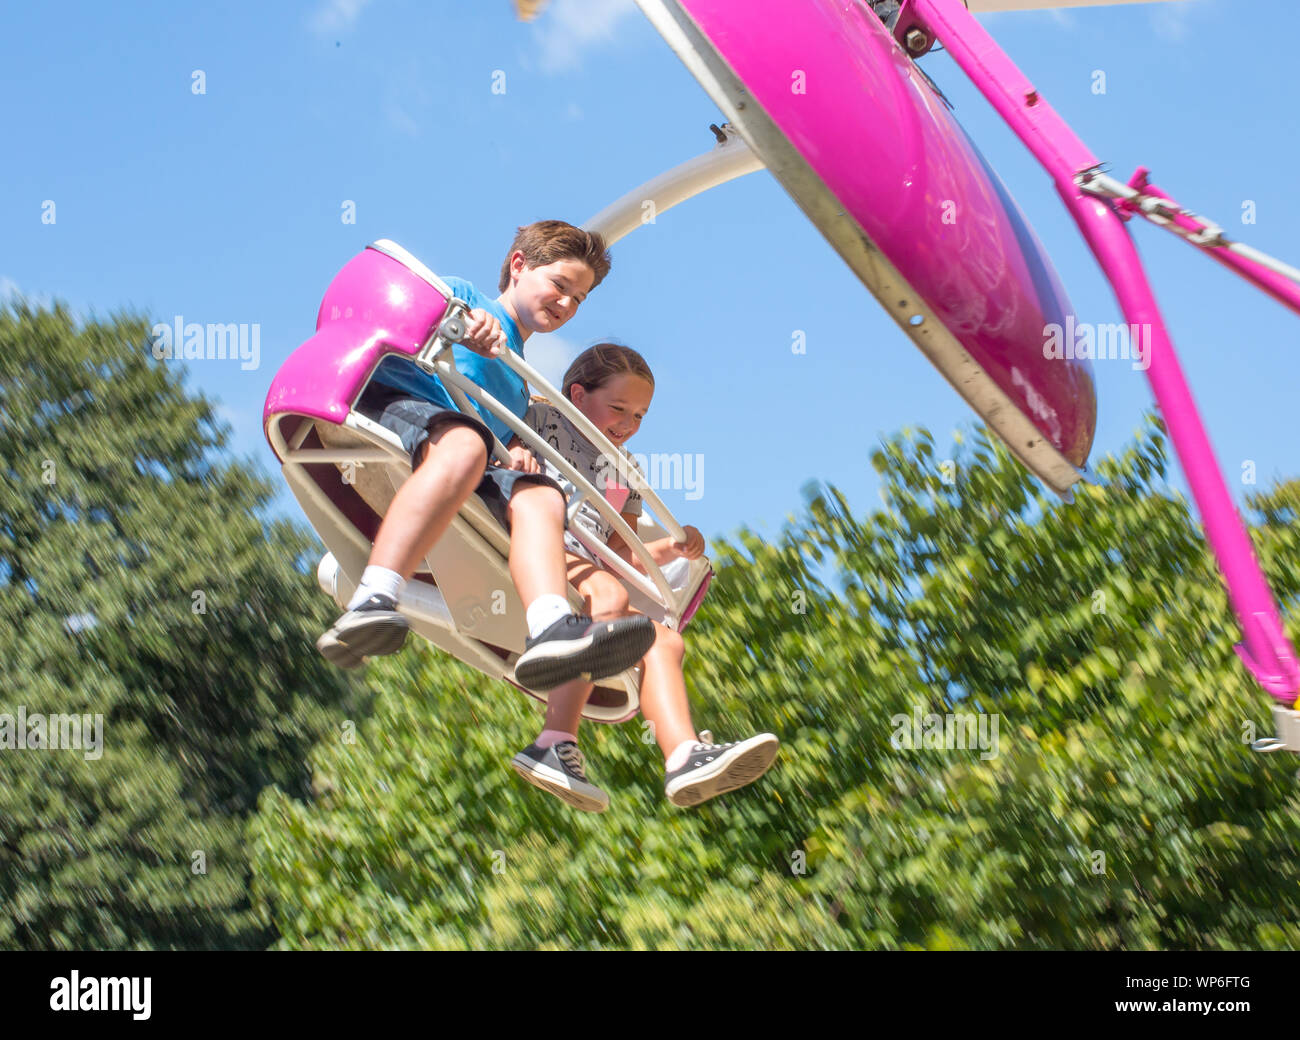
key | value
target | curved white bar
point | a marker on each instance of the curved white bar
(636, 479)
(726, 161)
(661, 591)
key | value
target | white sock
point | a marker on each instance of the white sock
(545, 611)
(377, 581)
(679, 756)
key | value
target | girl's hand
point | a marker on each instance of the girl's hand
(522, 459)
(693, 547)
(483, 334)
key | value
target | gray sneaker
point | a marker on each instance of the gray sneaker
(576, 647)
(714, 769)
(558, 769)
(373, 628)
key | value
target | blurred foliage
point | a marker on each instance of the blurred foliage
(1123, 808)
(117, 507)
(1120, 806)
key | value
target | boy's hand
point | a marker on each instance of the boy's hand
(483, 334)
(693, 547)
(522, 459)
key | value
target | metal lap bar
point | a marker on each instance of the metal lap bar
(606, 553)
(636, 479)
(566, 407)
(460, 387)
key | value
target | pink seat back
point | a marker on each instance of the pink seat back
(374, 306)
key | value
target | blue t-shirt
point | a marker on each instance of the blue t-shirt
(490, 373)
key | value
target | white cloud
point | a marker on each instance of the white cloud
(1172, 21)
(1019, 17)
(11, 291)
(408, 103)
(336, 16)
(551, 356)
(567, 29)
(401, 120)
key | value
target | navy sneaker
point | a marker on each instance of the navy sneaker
(575, 647)
(372, 628)
(558, 769)
(714, 769)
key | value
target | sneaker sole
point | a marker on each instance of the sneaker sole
(349, 645)
(557, 784)
(735, 769)
(609, 648)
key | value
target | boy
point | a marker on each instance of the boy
(550, 269)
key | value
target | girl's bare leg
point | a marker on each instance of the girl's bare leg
(564, 706)
(603, 594)
(663, 691)
(663, 688)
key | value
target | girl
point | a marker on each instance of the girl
(612, 385)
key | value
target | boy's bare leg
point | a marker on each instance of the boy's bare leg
(536, 514)
(424, 506)
(564, 704)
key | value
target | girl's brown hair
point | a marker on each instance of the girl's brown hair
(597, 365)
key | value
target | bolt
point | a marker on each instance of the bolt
(916, 40)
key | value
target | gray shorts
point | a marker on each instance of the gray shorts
(571, 544)
(414, 420)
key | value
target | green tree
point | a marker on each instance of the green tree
(1120, 806)
(140, 581)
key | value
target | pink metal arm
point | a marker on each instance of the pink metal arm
(1210, 240)
(1266, 651)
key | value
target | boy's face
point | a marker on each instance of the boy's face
(548, 296)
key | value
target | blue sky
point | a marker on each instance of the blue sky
(226, 207)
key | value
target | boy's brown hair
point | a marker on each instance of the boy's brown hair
(547, 241)
(597, 365)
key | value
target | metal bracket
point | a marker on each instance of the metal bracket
(1158, 208)
(446, 334)
(1288, 732)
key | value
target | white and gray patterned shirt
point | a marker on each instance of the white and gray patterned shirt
(602, 471)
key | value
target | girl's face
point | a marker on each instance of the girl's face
(616, 408)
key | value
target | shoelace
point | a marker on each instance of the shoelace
(707, 737)
(572, 758)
